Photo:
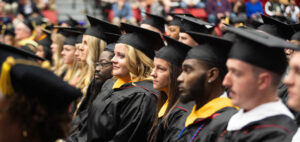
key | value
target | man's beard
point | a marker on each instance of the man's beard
(198, 88)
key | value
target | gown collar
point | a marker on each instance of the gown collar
(208, 109)
(163, 109)
(241, 118)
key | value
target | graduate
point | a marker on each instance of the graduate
(34, 101)
(201, 81)
(8, 35)
(154, 23)
(43, 48)
(70, 22)
(174, 25)
(93, 43)
(103, 72)
(124, 110)
(292, 82)
(276, 28)
(192, 24)
(255, 65)
(167, 67)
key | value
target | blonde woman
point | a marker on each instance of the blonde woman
(59, 68)
(124, 109)
(93, 43)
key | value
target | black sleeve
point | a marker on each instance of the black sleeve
(122, 120)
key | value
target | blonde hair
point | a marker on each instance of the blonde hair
(95, 48)
(139, 65)
(58, 64)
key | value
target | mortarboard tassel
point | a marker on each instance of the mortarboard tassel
(5, 80)
(6, 86)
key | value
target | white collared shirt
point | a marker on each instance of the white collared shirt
(296, 137)
(241, 118)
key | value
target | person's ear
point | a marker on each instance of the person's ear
(212, 74)
(264, 80)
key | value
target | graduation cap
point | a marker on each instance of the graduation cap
(74, 36)
(71, 22)
(98, 27)
(202, 38)
(211, 48)
(276, 28)
(45, 42)
(6, 50)
(22, 77)
(194, 24)
(29, 24)
(229, 36)
(68, 31)
(238, 19)
(71, 38)
(174, 52)
(79, 39)
(142, 39)
(110, 47)
(254, 23)
(7, 30)
(155, 21)
(176, 20)
(111, 37)
(296, 27)
(260, 49)
(39, 20)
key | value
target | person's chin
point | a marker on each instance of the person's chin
(184, 98)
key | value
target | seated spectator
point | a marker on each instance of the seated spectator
(239, 7)
(292, 11)
(26, 8)
(274, 8)
(9, 6)
(218, 9)
(192, 4)
(122, 13)
(160, 7)
(254, 9)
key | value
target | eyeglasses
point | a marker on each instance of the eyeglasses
(103, 63)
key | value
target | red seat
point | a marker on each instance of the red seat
(136, 14)
(51, 15)
(197, 12)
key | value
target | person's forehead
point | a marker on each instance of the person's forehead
(105, 55)
(238, 64)
(192, 63)
(295, 59)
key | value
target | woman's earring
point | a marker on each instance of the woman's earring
(209, 81)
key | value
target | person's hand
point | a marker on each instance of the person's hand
(123, 20)
(253, 16)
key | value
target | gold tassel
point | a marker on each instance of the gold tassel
(5, 80)
(46, 65)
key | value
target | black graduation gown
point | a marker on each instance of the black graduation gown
(283, 95)
(122, 115)
(272, 129)
(162, 133)
(79, 123)
(207, 129)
